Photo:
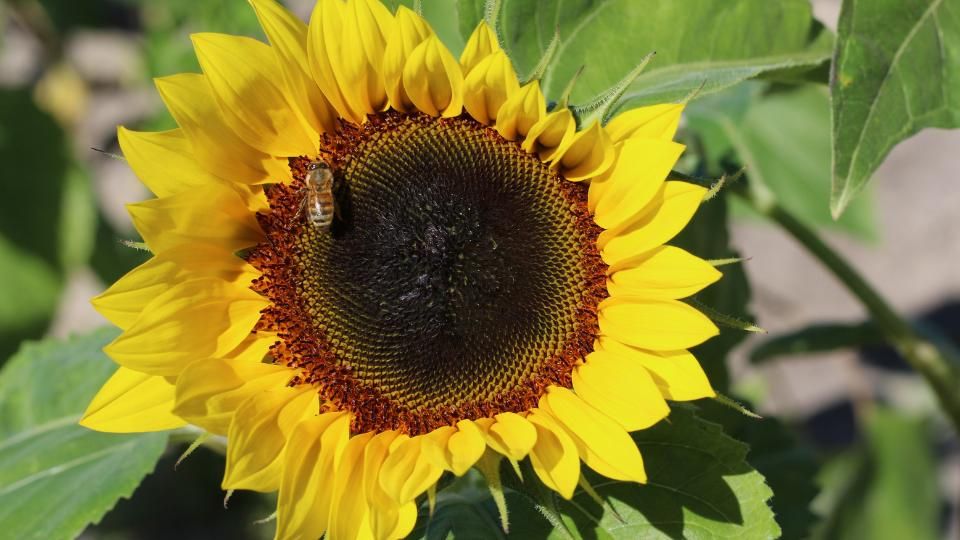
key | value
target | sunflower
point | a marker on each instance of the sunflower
(494, 283)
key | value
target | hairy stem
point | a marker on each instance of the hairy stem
(936, 362)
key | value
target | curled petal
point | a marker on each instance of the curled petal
(306, 490)
(409, 469)
(432, 79)
(521, 112)
(348, 510)
(488, 85)
(482, 43)
(509, 434)
(550, 137)
(590, 154)
(259, 433)
(554, 456)
(409, 31)
(387, 518)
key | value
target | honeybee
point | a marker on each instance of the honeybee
(318, 198)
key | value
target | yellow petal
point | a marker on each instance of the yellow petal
(482, 43)
(288, 38)
(668, 273)
(602, 443)
(210, 215)
(521, 112)
(488, 86)
(620, 389)
(132, 402)
(200, 318)
(409, 31)
(465, 447)
(554, 456)
(259, 433)
(348, 510)
(432, 79)
(347, 42)
(325, 30)
(653, 122)
(210, 391)
(590, 154)
(163, 161)
(408, 471)
(666, 215)
(510, 434)
(659, 325)
(216, 146)
(373, 23)
(639, 173)
(550, 137)
(387, 519)
(123, 301)
(677, 373)
(247, 82)
(306, 490)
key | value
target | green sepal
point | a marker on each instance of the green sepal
(726, 320)
(601, 108)
(545, 60)
(489, 467)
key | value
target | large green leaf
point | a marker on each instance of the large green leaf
(708, 43)
(783, 139)
(895, 73)
(787, 463)
(700, 486)
(56, 477)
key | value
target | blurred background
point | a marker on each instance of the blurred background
(70, 72)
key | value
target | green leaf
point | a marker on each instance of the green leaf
(895, 73)
(700, 486)
(817, 339)
(787, 463)
(889, 489)
(782, 137)
(57, 477)
(708, 43)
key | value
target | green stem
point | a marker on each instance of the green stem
(937, 364)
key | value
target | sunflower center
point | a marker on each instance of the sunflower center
(458, 279)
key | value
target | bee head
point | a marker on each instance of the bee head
(315, 165)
